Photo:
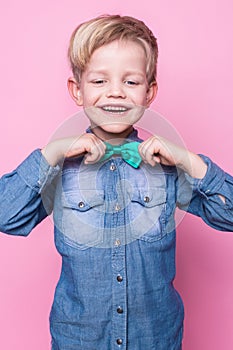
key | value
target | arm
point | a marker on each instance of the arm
(26, 195)
(211, 197)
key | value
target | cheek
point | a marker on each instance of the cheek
(141, 92)
(141, 98)
(90, 97)
(88, 100)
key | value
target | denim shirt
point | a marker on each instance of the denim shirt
(115, 230)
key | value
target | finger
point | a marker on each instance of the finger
(143, 149)
(74, 148)
(149, 151)
(74, 152)
(95, 153)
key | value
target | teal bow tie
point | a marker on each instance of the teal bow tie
(128, 151)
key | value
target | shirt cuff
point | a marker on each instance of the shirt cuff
(212, 182)
(36, 172)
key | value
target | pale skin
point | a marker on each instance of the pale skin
(109, 90)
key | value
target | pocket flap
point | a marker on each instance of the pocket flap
(149, 198)
(83, 200)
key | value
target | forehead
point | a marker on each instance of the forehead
(120, 52)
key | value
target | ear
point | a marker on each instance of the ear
(74, 91)
(151, 93)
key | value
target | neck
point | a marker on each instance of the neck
(112, 138)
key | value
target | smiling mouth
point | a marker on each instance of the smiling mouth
(115, 109)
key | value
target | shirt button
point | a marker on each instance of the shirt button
(81, 204)
(119, 341)
(146, 199)
(117, 242)
(119, 278)
(112, 167)
(120, 310)
(117, 207)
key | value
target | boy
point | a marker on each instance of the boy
(114, 199)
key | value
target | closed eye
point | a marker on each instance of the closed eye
(98, 81)
(130, 82)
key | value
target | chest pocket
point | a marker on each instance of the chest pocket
(83, 218)
(147, 213)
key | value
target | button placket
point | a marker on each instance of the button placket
(119, 294)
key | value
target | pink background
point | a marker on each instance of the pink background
(195, 94)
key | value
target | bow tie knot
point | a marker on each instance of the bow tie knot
(128, 151)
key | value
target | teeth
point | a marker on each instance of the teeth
(114, 109)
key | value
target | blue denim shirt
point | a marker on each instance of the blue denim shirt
(115, 231)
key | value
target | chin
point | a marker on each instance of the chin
(116, 128)
(106, 132)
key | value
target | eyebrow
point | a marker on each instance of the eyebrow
(97, 71)
(103, 71)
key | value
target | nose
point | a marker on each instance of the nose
(116, 90)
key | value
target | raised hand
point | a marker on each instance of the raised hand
(156, 149)
(87, 144)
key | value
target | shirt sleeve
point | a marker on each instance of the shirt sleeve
(205, 196)
(27, 194)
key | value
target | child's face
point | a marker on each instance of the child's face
(114, 90)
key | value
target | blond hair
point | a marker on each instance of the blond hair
(99, 31)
